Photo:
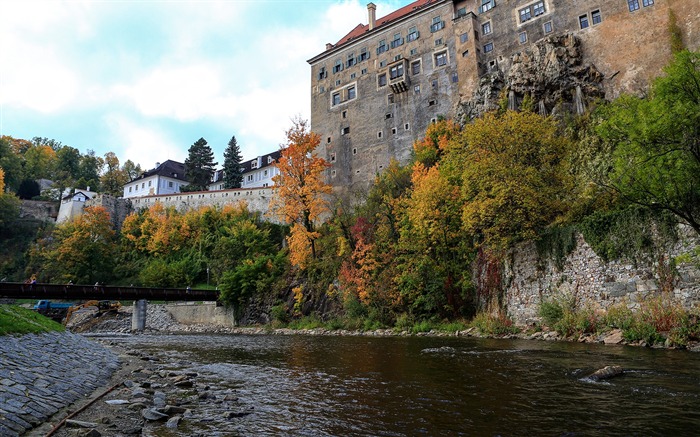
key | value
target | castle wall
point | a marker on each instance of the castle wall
(38, 210)
(589, 281)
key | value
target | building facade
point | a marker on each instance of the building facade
(165, 178)
(375, 91)
(257, 173)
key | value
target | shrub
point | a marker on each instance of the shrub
(619, 316)
(494, 325)
(551, 312)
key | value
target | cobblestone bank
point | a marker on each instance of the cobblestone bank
(40, 374)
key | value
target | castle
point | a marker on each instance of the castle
(374, 92)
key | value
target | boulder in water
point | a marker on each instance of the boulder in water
(606, 373)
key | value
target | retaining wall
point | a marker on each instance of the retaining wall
(590, 281)
(204, 313)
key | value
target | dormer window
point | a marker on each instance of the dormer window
(254, 164)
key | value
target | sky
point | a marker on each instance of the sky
(147, 79)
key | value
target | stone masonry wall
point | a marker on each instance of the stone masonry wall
(40, 374)
(592, 282)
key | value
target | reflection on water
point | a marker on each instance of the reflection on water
(339, 386)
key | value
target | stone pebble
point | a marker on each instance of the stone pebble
(42, 373)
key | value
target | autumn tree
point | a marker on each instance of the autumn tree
(301, 192)
(656, 142)
(233, 172)
(199, 166)
(515, 178)
(11, 163)
(80, 250)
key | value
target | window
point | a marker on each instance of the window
(353, 75)
(322, 73)
(488, 47)
(465, 53)
(522, 37)
(338, 67)
(352, 93)
(525, 14)
(547, 27)
(381, 80)
(381, 47)
(397, 57)
(379, 134)
(415, 67)
(337, 82)
(170, 184)
(647, 2)
(441, 59)
(534, 10)
(133, 187)
(345, 131)
(344, 114)
(486, 28)
(143, 185)
(332, 157)
(364, 71)
(438, 42)
(269, 158)
(464, 38)
(328, 140)
(321, 89)
(413, 34)
(432, 103)
(486, 5)
(435, 84)
(254, 164)
(396, 71)
(265, 173)
(414, 52)
(461, 12)
(354, 151)
(538, 8)
(336, 99)
(390, 100)
(437, 24)
(583, 21)
(633, 5)
(382, 63)
(416, 89)
(406, 126)
(351, 60)
(397, 41)
(333, 173)
(455, 78)
(364, 55)
(149, 183)
(393, 131)
(596, 18)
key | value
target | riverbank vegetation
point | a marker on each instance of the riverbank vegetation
(17, 320)
(424, 248)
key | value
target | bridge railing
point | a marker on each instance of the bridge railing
(15, 290)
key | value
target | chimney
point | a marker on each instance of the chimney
(329, 46)
(371, 11)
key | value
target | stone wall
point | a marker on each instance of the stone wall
(586, 278)
(40, 374)
(201, 313)
(38, 210)
(257, 199)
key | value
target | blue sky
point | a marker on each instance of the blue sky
(146, 79)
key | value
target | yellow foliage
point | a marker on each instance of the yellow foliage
(2, 180)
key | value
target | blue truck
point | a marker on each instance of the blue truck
(54, 310)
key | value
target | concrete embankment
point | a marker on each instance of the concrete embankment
(42, 373)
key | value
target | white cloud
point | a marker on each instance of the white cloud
(144, 145)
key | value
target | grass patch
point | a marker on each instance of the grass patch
(494, 325)
(17, 320)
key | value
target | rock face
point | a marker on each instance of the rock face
(550, 74)
(39, 374)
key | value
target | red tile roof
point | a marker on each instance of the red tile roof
(361, 29)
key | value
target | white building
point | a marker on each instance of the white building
(72, 205)
(166, 178)
(257, 173)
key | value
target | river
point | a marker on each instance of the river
(434, 386)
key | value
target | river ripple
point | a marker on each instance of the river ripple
(341, 386)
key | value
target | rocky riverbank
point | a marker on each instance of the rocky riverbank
(42, 373)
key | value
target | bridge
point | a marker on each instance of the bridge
(15, 290)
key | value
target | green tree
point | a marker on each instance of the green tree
(656, 142)
(11, 163)
(233, 172)
(89, 171)
(39, 162)
(114, 178)
(131, 170)
(199, 166)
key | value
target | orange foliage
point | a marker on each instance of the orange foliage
(301, 192)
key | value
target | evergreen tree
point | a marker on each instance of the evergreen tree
(233, 172)
(199, 166)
